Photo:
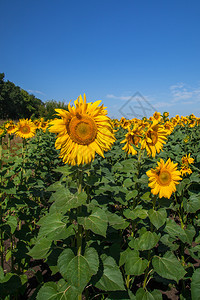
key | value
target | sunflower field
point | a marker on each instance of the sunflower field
(94, 208)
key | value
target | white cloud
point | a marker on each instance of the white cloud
(36, 92)
(163, 104)
(111, 96)
(181, 91)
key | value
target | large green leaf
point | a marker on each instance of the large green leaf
(53, 227)
(195, 285)
(146, 241)
(60, 291)
(97, 222)
(117, 222)
(168, 267)
(174, 230)
(157, 218)
(92, 258)
(41, 248)
(131, 195)
(145, 295)
(134, 265)
(138, 212)
(111, 279)
(63, 260)
(12, 222)
(78, 270)
(64, 200)
(193, 203)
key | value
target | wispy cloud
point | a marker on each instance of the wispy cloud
(181, 92)
(111, 96)
(163, 104)
(36, 92)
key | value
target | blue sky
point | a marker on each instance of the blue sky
(109, 50)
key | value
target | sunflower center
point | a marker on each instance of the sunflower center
(11, 127)
(164, 177)
(25, 129)
(82, 129)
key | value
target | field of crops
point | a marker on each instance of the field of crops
(93, 208)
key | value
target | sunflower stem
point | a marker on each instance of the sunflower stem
(79, 233)
(23, 159)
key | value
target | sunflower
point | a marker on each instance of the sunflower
(154, 138)
(164, 178)
(25, 128)
(82, 131)
(132, 138)
(169, 127)
(186, 160)
(157, 116)
(185, 170)
(2, 131)
(165, 114)
(10, 127)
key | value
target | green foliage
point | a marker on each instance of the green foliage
(98, 227)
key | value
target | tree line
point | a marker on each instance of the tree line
(16, 103)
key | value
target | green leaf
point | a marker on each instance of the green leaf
(92, 258)
(146, 197)
(53, 227)
(174, 230)
(169, 242)
(168, 267)
(195, 285)
(97, 222)
(117, 222)
(65, 170)
(134, 265)
(131, 195)
(63, 260)
(146, 241)
(190, 233)
(41, 248)
(78, 272)
(111, 279)
(123, 256)
(193, 203)
(54, 187)
(65, 201)
(138, 212)
(60, 291)
(145, 295)
(157, 218)
(128, 182)
(194, 177)
(12, 222)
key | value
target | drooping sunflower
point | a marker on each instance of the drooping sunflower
(164, 178)
(186, 160)
(82, 131)
(25, 128)
(132, 138)
(154, 138)
(185, 170)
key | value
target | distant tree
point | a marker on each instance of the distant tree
(48, 110)
(11, 101)
(16, 103)
(31, 105)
